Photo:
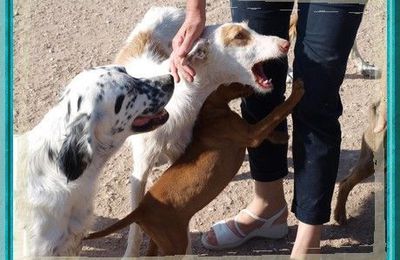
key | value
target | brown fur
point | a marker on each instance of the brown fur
(137, 46)
(235, 35)
(373, 141)
(217, 150)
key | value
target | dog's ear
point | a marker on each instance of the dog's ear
(198, 52)
(75, 154)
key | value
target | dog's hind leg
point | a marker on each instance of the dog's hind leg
(153, 248)
(143, 164)
(363, 169)
(175, 242)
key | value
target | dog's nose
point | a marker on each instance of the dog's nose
(284, 46)
(165, 82)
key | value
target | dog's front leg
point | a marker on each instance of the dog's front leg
(143, 163)
(258, 132)
(189, 243)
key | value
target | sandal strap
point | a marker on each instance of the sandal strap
(268, 221)
(237, 226)
(224, 234)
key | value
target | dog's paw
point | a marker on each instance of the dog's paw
(340, 216)
(298, 85)
(298, 89)
(277, 137)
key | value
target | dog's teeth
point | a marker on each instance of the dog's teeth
(270, 81)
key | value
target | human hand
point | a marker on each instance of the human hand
(182, 43)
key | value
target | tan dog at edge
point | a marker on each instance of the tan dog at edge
(211, 160)
(371, 155)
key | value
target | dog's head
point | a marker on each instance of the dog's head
(241, 54)
(103, 107)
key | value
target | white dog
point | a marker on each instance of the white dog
(226, 53)
(57, 163)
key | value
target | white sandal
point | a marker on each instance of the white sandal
(226, 238)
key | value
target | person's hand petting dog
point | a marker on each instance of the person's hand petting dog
(189, 32)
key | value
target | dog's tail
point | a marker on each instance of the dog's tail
(133, 217)
(379, 115)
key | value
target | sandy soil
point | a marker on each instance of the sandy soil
(55, 40)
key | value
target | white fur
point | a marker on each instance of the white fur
(214, 64)
(52, 212)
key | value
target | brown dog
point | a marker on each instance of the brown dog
(217, 150)
(373, 141)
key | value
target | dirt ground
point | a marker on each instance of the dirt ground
(55, 40)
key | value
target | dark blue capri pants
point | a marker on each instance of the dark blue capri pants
(325, 35)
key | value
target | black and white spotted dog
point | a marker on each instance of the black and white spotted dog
(57, 163)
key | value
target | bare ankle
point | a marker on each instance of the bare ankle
(307, 242)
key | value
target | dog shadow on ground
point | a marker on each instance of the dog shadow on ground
(355, 237)
(348, 159)
(111, 246)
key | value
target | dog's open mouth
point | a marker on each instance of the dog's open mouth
(261, 78)
(147, 123)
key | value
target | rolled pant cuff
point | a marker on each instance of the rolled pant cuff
(313, 217)
(269, 176)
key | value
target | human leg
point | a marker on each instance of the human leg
(326, 33)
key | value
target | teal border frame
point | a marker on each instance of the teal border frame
(393, 140)
(6, 127)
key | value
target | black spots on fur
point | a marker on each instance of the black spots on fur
(121, 69)
(51, 154)
(129, 117)
(161, 95)
(140, 91)
(68, 112)
(99, 98)
(101, 85)
(74, 155)
(118, 103)
(79, 102)
(129, 105)
(108, 73)
(116, 130)
(102, 75)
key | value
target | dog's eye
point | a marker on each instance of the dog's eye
(240, 36)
